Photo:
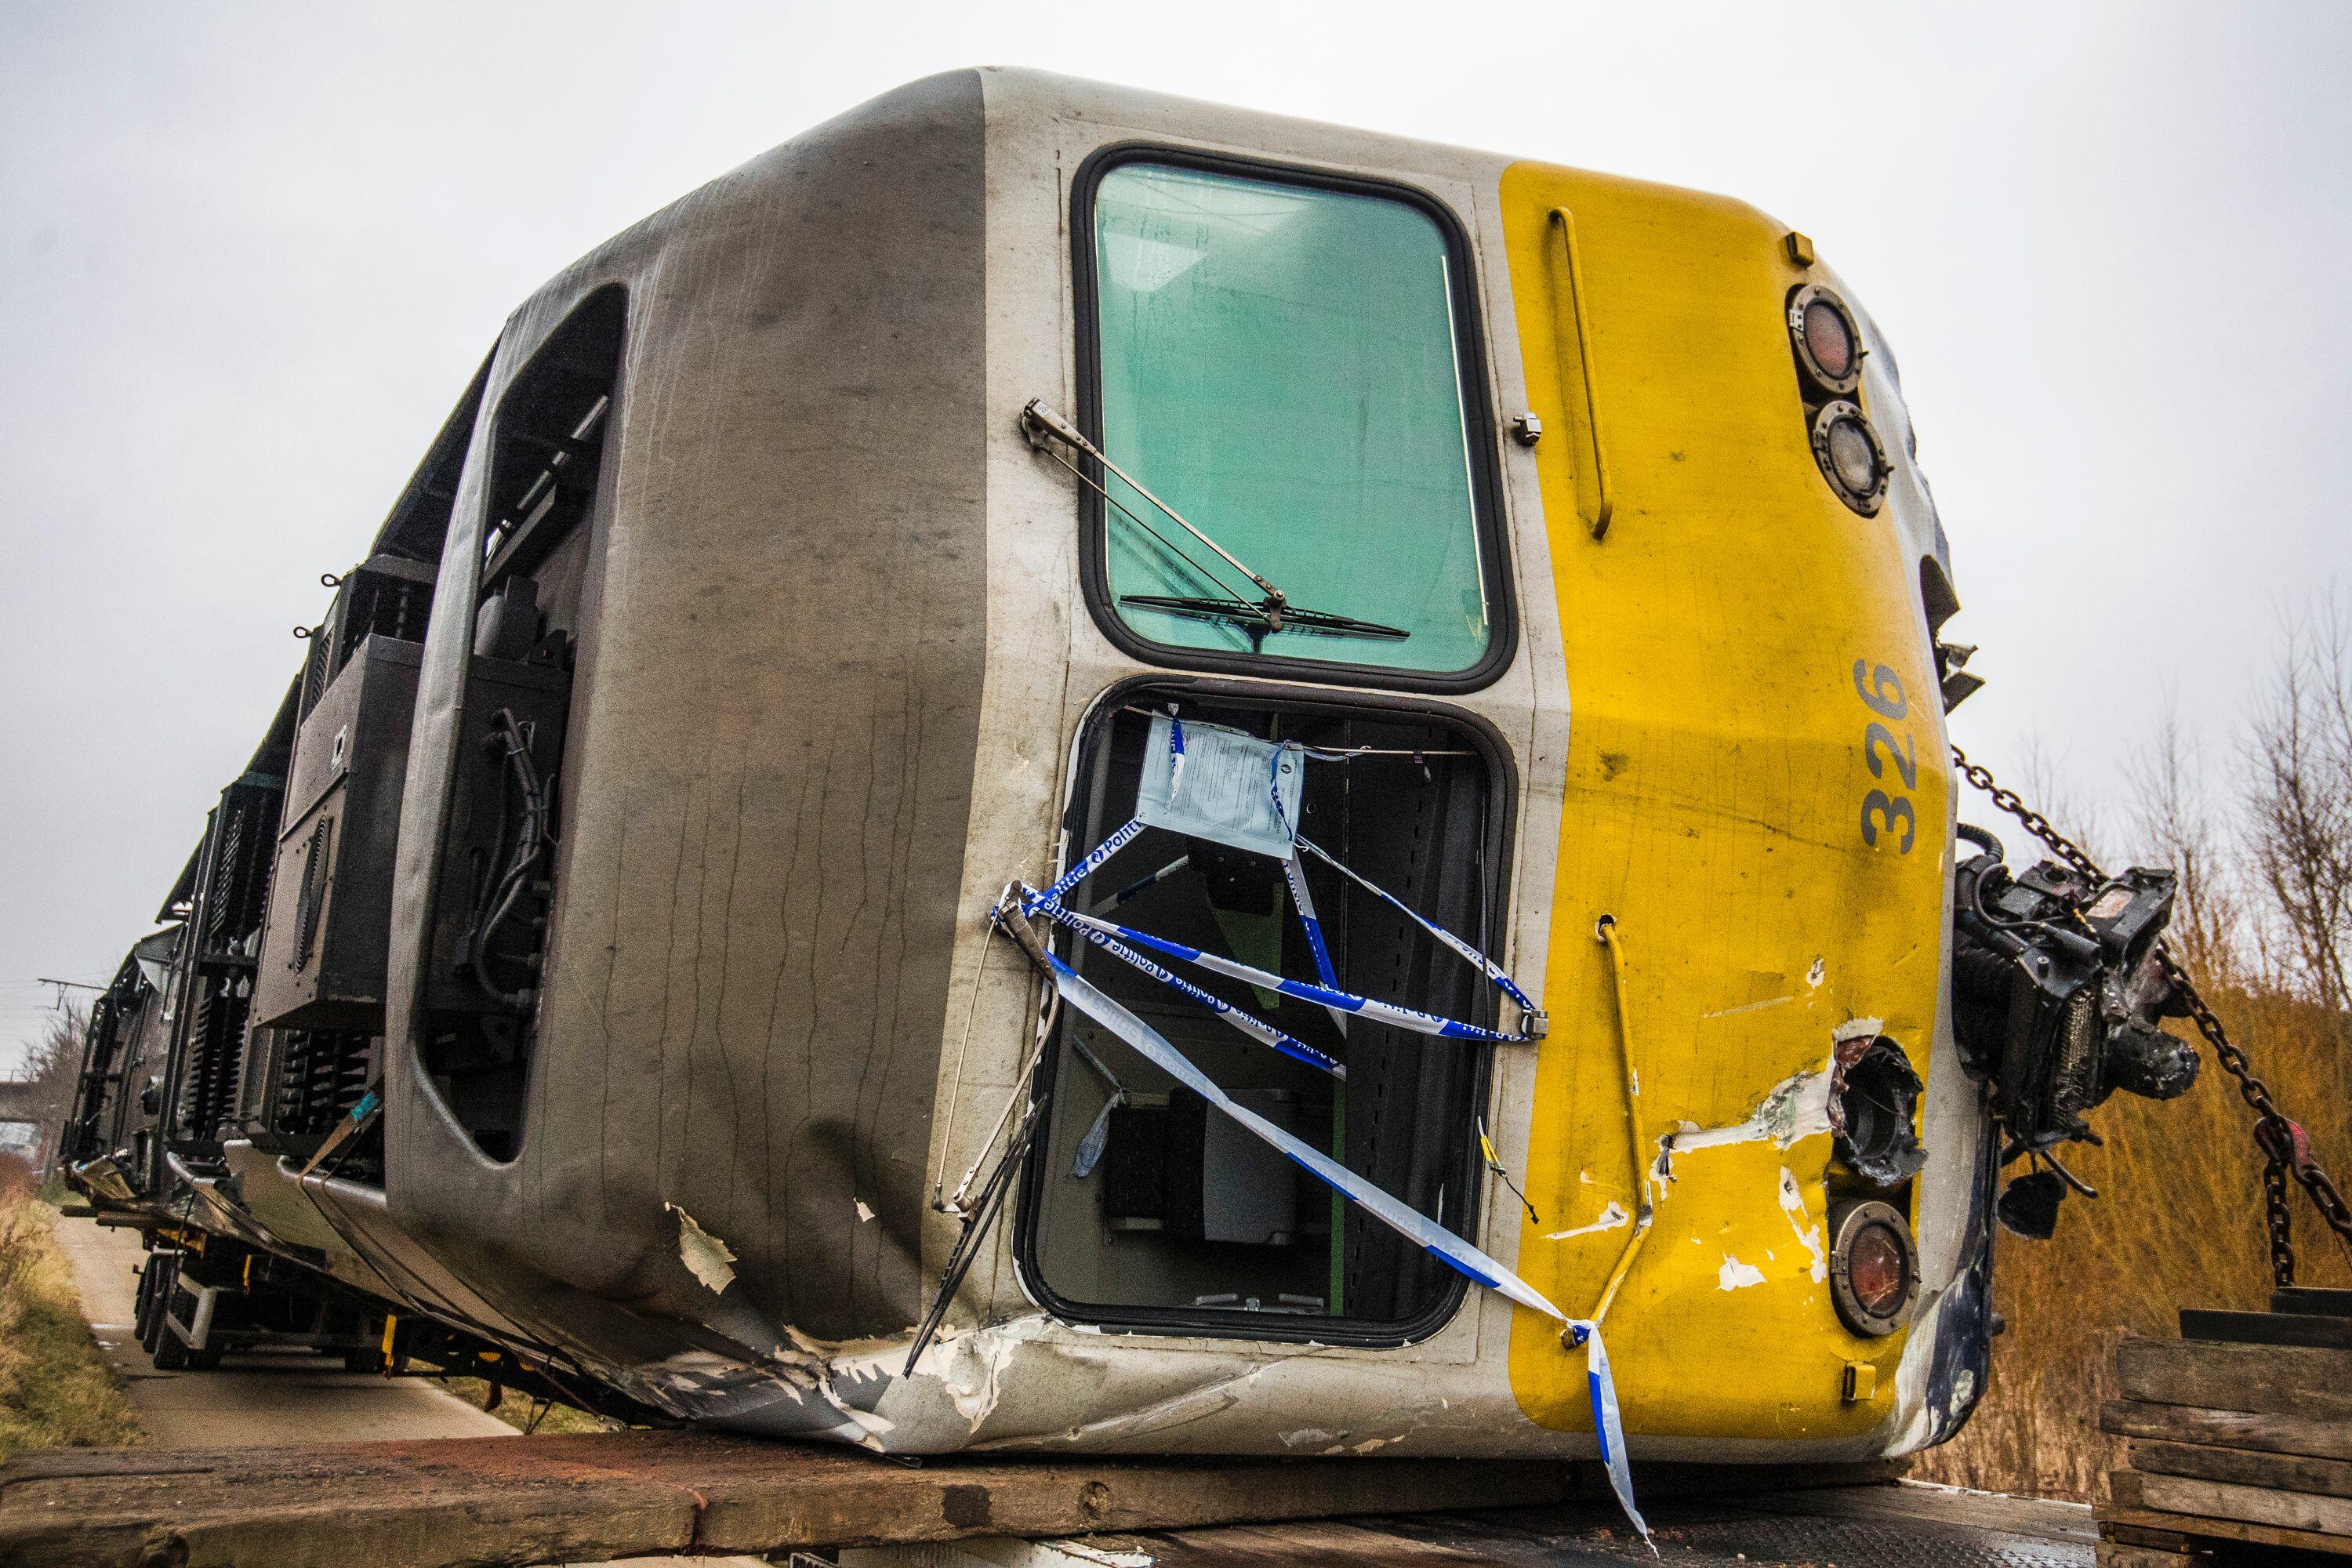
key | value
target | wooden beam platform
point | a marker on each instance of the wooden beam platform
(467, 1503)
(587, 1498)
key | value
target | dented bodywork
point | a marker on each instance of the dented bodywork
(815, 689)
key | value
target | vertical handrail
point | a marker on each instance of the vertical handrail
(1605, 929)
(1573, 332)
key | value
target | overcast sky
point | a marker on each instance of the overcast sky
(250, 254)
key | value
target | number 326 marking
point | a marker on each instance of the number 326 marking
(1881, 690)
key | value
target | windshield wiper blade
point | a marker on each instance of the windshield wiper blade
(1264, 618)
(1038, 420)
(1331, 625)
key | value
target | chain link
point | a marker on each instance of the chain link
(2285, 1147)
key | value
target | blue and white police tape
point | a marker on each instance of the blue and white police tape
(1030, 896)
(1492, 970)
(1608, 1428)
(1295, 875)
(1249, 1024)
(1415, 1226)
(1321, 996)
(1409, 1223)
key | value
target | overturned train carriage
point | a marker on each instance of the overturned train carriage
(1473, 623)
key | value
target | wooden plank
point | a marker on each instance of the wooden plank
(2266, 1328)
(2244, 1467)
(2227, 1428)
(2312, 1298)
(2155, 1540)
(2115, 1554)
(2118, 1517)
(2322, 1516)
(597, 1496)
(2283, 1380)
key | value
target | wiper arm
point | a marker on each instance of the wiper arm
(1260, 621)
(1038, 421)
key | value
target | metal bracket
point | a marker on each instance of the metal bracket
(197, 1332)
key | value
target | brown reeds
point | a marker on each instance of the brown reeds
(2264, 924)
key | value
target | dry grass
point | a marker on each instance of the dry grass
(56, 1389)
(2178, 1224)
(530, 1414)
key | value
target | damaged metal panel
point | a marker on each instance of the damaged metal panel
(767, 806)
(768, 648)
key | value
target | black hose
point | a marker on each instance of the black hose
(531, 840)
(1982, 839)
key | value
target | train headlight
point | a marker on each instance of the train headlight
(1851, 459)
(1828, 343)
(1874, 1267)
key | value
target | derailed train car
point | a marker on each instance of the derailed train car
(1060, 769)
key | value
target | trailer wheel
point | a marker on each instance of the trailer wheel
(143, 1317)
(170, 1352)
(167, 1350)
(154, 1291)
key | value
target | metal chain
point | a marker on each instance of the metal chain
(2285, 1147)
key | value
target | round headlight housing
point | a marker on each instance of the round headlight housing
(1874, 1267)
(1828, 341)
(1850, 455)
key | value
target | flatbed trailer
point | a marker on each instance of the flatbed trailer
(593, 1497)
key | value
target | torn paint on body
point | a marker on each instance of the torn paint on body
(706, 1257)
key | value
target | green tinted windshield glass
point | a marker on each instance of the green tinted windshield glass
(1279, 364)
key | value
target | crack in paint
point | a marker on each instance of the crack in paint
(1793, 1204)
(1612, 1218)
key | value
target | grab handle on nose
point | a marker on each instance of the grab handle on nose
(1573, 334)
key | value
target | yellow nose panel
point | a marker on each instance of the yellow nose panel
(1775, 866)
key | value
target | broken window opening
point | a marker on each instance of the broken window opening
(499, 862)
(1146, 1207)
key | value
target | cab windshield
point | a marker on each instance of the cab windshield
(1282, 364)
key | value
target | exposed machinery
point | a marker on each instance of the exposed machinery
(1060, 769)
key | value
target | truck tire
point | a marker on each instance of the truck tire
(154, 1286)
(143, 1318)
(167, 1350)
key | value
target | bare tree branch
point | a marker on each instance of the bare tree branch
(2177, 826)
(2299, 798)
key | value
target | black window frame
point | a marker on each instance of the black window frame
(1501, 844)
(1478, 411)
